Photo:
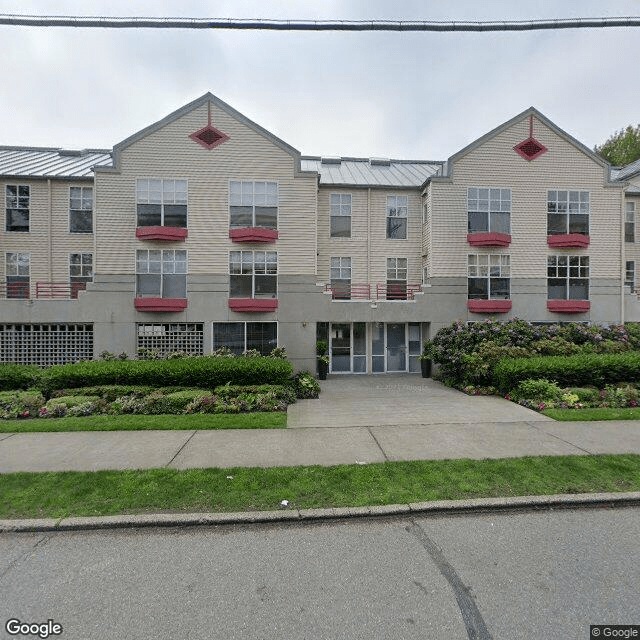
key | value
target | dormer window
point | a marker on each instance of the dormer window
(161, 203)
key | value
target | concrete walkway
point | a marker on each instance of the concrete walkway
(398, 418)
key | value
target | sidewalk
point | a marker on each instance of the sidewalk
(96, 450)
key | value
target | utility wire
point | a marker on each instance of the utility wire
(311, 25)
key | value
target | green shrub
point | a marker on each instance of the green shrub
(72, 401)
(306, 385)
(20, 404)
(281, 392)
(538, 390)
(205, 372)
(19, 376)
(586, 394)
(578, 370)
(109, 392)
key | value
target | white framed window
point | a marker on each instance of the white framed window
(396, 278)
(340, 204)
(81, 209)
(17, 199)
(397, 211)
(488, 210)
(341, 278)
(253, 274)
(161, 273)
(161, 203)
(630, 222)
(253, 204)
(80, 271)
(243, 336)
(489, 276)
(568, 277)
(630, 275)
(567, 212)
(17, 273)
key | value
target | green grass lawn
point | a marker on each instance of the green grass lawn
(264, 420)
(593, 414)
(57, 495)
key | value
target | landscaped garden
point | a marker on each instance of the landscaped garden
(568, 371)
(89, 395)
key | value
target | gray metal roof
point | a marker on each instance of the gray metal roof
(51, 163)
(625, 172)
(371, 172)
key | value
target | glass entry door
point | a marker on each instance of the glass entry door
(395, 347)
(348, 347)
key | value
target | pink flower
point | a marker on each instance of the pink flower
(507, 397)
(25, 414)
(541, 406)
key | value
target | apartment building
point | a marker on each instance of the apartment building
(205, 230)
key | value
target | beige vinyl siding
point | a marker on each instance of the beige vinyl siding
(48, 240)
(496, 164)
(369, 256)
(354, 247)
(632, 249)
(65, 242)
(169, 153)
(426, 230)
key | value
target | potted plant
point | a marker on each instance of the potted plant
(322, 352)
(426, 358)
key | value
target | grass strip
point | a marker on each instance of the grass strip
(258, 420)
(57, 495)
(598, 413)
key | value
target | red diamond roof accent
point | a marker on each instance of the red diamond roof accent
(209, 137)
(530, 148)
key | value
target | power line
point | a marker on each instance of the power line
(312, 25)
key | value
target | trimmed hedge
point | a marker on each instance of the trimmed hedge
(205, 372)
(19, 376)
(568, 371)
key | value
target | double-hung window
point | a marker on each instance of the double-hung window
(244, 336)
(630, 275)
(253, 204)
(488, 210)
(17, 274)
(397, 209)
(81, 209)
(341, 278)
(489, 276)
(253, 274)
(80, 271)
(340, 215)
(568, 277)
(396, 278)
(630, 222)
(17, 198)
(161, 273)
(567, 212)
(161, 203)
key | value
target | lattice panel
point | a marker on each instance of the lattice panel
(45, 344)
(168, 338)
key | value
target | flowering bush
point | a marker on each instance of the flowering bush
(467, 353)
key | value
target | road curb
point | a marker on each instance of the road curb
(439, 507)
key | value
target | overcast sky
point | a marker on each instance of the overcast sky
(389, 94)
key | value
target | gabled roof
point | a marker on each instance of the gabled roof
(371, 172)
(203, 100)
(42, 162)
(531, 111)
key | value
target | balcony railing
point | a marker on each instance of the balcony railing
(42, 290)
(381, 291)
(59, 290)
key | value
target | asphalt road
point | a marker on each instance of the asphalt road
(529, 575)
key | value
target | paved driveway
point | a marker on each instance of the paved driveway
(370, 401)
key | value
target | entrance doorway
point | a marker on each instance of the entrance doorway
(375, 347)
